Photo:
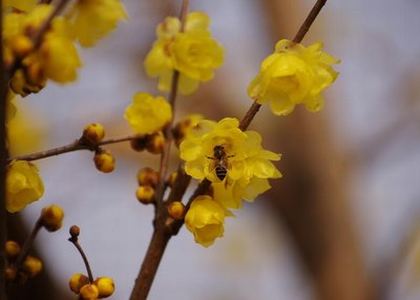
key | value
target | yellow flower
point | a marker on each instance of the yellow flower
(194, 53)
(293, 74)
(23, 185)
(22, 5)
(148, 114)
(94, 19)
(205, 219)
(243, 155)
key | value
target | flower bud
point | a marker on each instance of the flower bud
(12, 249)
(104, 161)
(89, 292)
(172, 178)
(148, 176)
(155, 143)
(10, 273)
(94, 133)
(145, 194)
(52, 217)
(176, 210)
(74, 231)
(21, 45)
(17, 83)
(35, 74)
(139, 144)
(77, 281)
(32, 265)
(105, 286)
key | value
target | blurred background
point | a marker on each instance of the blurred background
(343, 223)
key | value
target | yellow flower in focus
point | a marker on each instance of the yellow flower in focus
(243, 155)
(205, 219)
(148, 114)
(23, 185)
(93, 19)
(194, 53)
(293, 74)
(22, 5)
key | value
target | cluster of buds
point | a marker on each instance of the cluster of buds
(148, 180)
(30, 266)
(153, 143)
(92, 135)
(181, 129)
(102, 287)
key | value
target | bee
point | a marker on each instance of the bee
(220, 159)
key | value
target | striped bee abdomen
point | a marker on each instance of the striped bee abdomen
(220, 172)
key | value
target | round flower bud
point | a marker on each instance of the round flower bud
(105, 286)
(35, 74)
(104, 161)
(155, 143)
(172, 178)
(21, 45)
(94, 133)
(77, 281)
(32, 265)
(10, 273)
(52, 217)
(145, 194)
(139, 144)
(74, 231)
(148, 176)
(176, 210)
(12, 249)
(89, 292)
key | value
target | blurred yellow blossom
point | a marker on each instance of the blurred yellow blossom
(193, 52)
(205, 219)
(148, 114)
(93, 19)
(23, 185)
(293, 74)
(22, 5)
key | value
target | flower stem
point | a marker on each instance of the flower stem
(75, 242)
(28, 244)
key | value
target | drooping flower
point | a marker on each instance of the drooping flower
(23, 185)
(148, 114)
(292, 75)
(205, 219)
(94, 19)
(193, 52)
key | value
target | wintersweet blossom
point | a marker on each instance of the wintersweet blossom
(93, 19)
(243, 152)
(193, 52)
(205, 219)
(293, 74)
(22, 5)
(148, 114)
(23, 185)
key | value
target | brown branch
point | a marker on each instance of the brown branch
(75, 146)
(75, 241)
(28, 244)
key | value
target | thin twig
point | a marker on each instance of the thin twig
(74, 239)
(28, 244)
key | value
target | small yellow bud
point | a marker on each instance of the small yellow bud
(32, 265)
(74, 231)
(172, 178)
(94, 133)
(105, 286)
(139, 144)
(18, 82)
(35, 74)
(52, 217)
(145, 194)
(155, 143)
(77, 281)
(12, 249)
(21, 45)
(10, 273)
(104, 161)
(176, 210)
(147, 176)
(89, 292)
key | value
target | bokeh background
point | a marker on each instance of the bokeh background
(343, 223)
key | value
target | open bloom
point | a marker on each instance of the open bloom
(193, 52)
(148, 114)
(205, 219)
(93, 19)
(23, 185)
(293, 74)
